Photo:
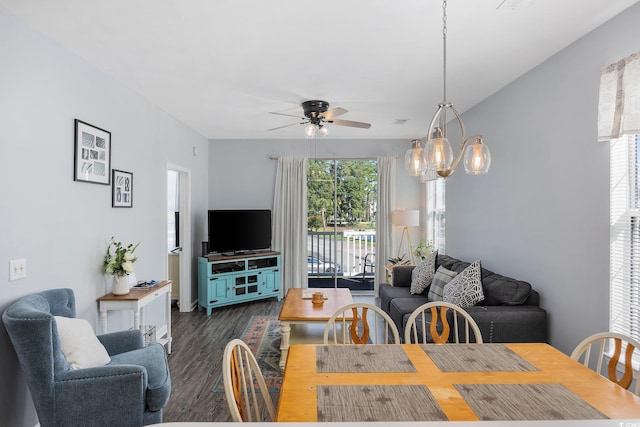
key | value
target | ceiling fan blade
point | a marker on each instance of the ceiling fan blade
(288, 115)
(334, 112)
(351, 123)
(285, 126)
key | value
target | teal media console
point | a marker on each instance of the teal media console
(226, 280)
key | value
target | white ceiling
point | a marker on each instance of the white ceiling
(220, 66)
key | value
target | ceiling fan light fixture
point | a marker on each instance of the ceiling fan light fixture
(310, 130)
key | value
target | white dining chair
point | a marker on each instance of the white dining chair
(350, 325)
(240, 373)
(619, 349)
(424, 321)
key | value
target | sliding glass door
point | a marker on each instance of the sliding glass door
(341, 206)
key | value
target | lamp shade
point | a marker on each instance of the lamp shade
(406, 218)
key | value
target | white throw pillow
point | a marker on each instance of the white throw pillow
(80, 346)
(465, 290)
(422, 274)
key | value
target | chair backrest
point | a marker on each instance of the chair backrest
(431, 320)
(350, 324)
(31, 327)
(617, 357)
(240, 373)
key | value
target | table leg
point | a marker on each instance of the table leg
(285, 334)
(103, 320)
(168, 320)
(136, 319)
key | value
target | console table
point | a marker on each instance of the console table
(135, 301)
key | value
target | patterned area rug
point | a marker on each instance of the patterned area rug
(262, 335)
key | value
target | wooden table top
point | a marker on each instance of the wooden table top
(135, 294)
(299, 398)
(297, 309)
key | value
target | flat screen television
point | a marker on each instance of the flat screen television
(241, 230)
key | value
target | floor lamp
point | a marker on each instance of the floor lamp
(406, 219)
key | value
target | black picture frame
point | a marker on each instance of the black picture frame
(122, 189)
(92, 154)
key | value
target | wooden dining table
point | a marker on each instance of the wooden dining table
(445, 382)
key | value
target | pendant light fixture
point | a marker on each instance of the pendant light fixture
(437, 154)
(413, 159)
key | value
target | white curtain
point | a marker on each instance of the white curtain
(290, 221)
(386, 204)
(619, 105)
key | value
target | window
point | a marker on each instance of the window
(625, 236)
(435, 232)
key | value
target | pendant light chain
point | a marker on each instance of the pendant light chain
(444, 50)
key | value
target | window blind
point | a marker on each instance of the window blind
(625, 236)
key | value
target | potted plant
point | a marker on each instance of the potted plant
(119, 263)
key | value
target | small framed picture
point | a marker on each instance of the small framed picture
(92, 154)
(122, 189)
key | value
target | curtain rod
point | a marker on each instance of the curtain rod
(272, 157)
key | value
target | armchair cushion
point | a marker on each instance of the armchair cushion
(79, 343)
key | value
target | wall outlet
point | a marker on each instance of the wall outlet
(17, 269)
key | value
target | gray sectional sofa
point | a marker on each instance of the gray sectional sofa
(510, 311)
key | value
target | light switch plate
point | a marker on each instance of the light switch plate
(17, 269)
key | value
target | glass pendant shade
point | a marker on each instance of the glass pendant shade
(310, 130)
(477, 158)
(438, 154)
(413, 160)
(324, 131)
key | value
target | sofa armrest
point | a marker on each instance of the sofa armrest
(401, 275)
(510, 323)
(122, 341)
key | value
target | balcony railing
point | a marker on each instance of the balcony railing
(343, 254)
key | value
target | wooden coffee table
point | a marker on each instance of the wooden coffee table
(303, 322)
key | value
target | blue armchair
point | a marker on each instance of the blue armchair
(129, 391)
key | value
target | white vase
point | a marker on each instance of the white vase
(120, 285)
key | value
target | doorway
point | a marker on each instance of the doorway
(178, 232)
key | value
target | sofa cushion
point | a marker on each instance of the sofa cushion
(423, 273)
(388, 293)
(501, 290)
(401, 306)
(465, 290)
(497, 289)
(440, 279)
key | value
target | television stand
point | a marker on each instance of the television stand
(231, 279)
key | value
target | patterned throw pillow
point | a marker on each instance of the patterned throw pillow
(466, 289)
(422, 274)
(440, 279)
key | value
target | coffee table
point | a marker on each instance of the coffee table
(302, 322)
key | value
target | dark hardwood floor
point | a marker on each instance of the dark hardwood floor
(195, 362)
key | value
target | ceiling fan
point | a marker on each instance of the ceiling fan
(317, 114)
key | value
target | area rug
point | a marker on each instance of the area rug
(262, 335)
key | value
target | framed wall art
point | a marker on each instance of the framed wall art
(92, 161)
(122, 189)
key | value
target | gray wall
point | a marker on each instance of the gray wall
(60, 226)
(542, 213)
(242, 174)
